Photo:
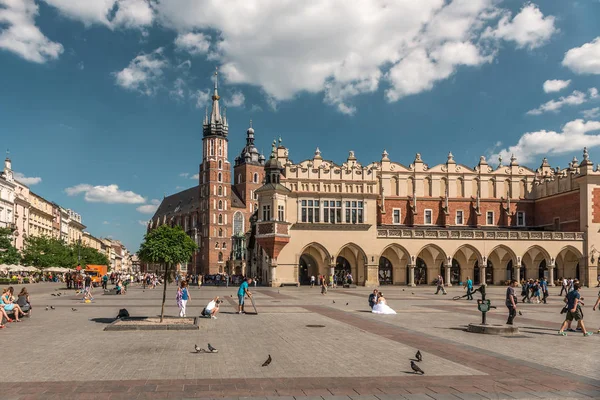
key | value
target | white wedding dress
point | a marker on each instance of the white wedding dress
(382, 308)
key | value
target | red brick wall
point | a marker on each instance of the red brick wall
(563, 206)
(595, 206)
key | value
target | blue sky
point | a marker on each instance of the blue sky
(102, 101)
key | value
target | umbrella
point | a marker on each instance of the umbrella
(16, 268)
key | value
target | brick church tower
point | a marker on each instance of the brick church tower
(215, 190)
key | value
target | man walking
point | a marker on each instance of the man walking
(243, 292)
(105, 281)
(469, 288)
(563, 282)
(544, 289)
(440, 285)
(573, 300)
(511, 302)
(312, 281)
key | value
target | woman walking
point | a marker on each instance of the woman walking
(183, 296)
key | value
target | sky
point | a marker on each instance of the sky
(101, 101)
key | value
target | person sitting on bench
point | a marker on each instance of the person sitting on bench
(212, 308)
(6, 301)
(23, 301)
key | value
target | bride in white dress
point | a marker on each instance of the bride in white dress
(381, 307)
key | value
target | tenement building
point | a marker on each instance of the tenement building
(216, 213)
(390, 223)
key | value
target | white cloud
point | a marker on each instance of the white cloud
(584, 59)
(529, 28)
(574, 137)
(555, 85)
(129, 13)
(193, 43)
(178, 91)
(575, 98)
(110, 194)
(143, 72)
(201, 97)
(27, 180)
(195, 176)
(105, 223)
(236, 99)
(184, 174)
(19, 34)
(143, 223)
(591, 113)
(149, 208)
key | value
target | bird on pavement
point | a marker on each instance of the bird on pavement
(413, 293)
(347, 303)
(416, 368)
(418, 356)
(520, 313)
(197, 348)
(52, 308)
(212, 349)
(268, 361)
(403, 290)
(52, 294)
(46, 308)
(73, 309)
(334, 302)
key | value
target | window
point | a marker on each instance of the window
(255, 177)
(220, 164)
(219, 177)
(238, 223)
(220, 191)
(239, 178)
(220, 219)
(354, 212)
(310, 211)
(220, 147)
(220, 257)
(266, 213)
(217, 245)
(220, 232)
(396, 216)
(211, 146)
(520, 218)
(490, 218)
(220, 204)
(428, 217)
(280, 213)
(459, 217)
(332, 212)
(224, 247)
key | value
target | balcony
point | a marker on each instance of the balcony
(475, 234)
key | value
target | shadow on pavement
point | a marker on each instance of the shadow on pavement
(103, 320)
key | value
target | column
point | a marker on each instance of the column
(482, 274)
(273, 269)
(551, 275)
(517, 276)
(411, 275)
(447, 277)
(331, 269)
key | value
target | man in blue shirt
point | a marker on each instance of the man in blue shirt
(544, 288)
(469, 288)
(242, 292)
(574, 299)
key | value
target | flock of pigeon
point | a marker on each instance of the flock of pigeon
(211, 349)
(414, 366)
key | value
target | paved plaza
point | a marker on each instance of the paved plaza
(323, 347)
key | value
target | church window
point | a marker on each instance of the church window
(332, 211)
(194, 221)
(255, 177)
(220, 219)
(224, 247)
(220, 232)
(220, 147)
(239, 178)
(238, 223)
(280, 213)
(217, 245)
(220, 257)
(220, 164)
(220, 177)
(354, 212)
(310, 211)
(220, 191)
(266, 213)
(220, 204)
(211, 146)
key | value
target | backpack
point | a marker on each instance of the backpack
(123, 313)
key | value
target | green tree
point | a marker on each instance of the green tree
(44, 252)
(8, 253)
(166, 246)
(88, 255)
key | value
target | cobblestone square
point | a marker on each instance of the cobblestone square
(323, 346)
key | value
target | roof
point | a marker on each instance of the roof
(236, 201)
(183, 202)
(272, 186)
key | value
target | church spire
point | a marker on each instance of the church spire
(215, 124)
(215, 116)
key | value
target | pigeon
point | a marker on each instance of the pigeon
(198, 349)
(268, 361)
(416, 368)
(413, 293)
(212, 349)
(58, 294)
(418, 356)
(520, 313)
(73, 309)
(46, 308)
(52, 294)
(347, 303)
(403, 290)
(334, 302)
(52, 308)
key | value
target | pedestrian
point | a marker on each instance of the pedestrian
(563, 282)
(331, 281)
(596, 306)
(469, 288)
(511, 302)
(323, 287)
(440, 285)
(183, 296)
(242, 292)
(544, 286)
(312, 281)
(335, 280)
(105, 281)
(573, 313)
(525, 292)
(373, 298)
(537, 293)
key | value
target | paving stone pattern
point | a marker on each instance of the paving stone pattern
(323, 347)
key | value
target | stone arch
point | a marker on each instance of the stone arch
(314, 260)
(569, 263)
(399, 258)
(433, 257)
(357, 260)
(497, 260)
(466, 256)
(532, 259)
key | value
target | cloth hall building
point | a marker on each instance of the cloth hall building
(385, 222)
